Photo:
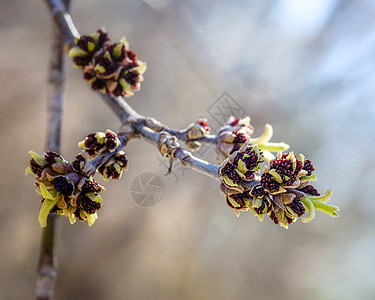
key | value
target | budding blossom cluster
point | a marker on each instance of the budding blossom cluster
(69, 188)
(283, 191)
(63, 189)
(110, 68)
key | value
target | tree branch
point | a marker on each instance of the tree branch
(63, 21)
(47, 264)
(182, 134)
(185, 157)
(128, 116)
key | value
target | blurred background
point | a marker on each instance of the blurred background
(304, 66)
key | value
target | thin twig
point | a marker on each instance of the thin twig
(182, 135)
(185, 157)
(47, 264)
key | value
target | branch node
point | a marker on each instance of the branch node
(167, 144)
(183, 158)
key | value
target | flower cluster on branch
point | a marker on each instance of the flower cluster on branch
(114, 167)
(283, 190)
(69, 188)
(98, 142)
(110, 68)
(241, 165)
(63, 189)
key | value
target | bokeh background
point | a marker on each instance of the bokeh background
(304, 66)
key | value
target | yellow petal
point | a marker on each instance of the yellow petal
(72, 218)
(95, 197)
(257, 203)
(265, 137)
(100, 69)
(51, 194)
(229, 182)
(76, 52)
(125, 85)
(44, 211)
(268, 156)
(242, 166)
(323, 198)
(233, 202)
(291, 212)
(328, 209)
(81, 144)
(141, 68)
(308, 178)
(245, 121)
(91, 219)
(90, 46)
(100, 137)
(107, 55)
(38, 158)
(28, 171)
(117, 50)
(310, 207)
(276, 176)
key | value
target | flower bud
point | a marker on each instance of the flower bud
(79, 162)
(284, 192)
(98, 142)
(114, 167)
(88, 203)
(39, 163)
(111, 140)
(238, 202)
(89, 185)
(193, 145)
(64, 189)
(241, 165)
(110, 68)
(248, 160)
(198, 129)
(63, 185)
(232, 136)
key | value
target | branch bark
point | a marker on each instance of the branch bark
(47, 263)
